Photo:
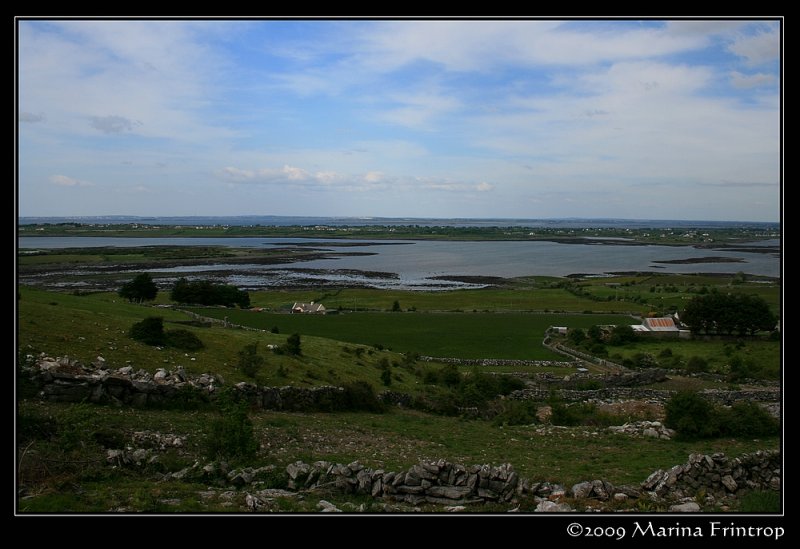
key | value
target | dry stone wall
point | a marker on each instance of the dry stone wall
(715, 477)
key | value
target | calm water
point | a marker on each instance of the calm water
(416, 262)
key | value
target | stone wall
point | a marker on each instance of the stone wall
(636, 393)
(714, 477)
(498, 362)
(427, 482)
(66, 380)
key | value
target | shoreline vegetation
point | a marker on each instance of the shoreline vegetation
(699, 237)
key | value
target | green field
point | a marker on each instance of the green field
(525, 294)
(718, 353)
(479, 335)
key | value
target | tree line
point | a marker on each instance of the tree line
(199, 292)
(728, 314)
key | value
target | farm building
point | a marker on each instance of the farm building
(308, 308)
(660, 327)
(663, 324)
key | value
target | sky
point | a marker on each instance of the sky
(641, 119)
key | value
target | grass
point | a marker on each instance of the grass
(85, 327)
(74, 477)
(501, 335)
(765, 354)
(526, 294)
(393, 441)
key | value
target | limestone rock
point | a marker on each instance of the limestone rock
(687, 507)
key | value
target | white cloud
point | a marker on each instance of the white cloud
(30, 117)
(745, 81)
(482, 45)
(156, 76)
(65, 181)
(113, 124)
(762, 47)
(484, 187)
(419, 110)
(373, 177)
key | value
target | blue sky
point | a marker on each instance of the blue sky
(531, 119)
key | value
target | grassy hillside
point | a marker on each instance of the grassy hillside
(85, 327)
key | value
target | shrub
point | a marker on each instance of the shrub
(292, 346)
(747, 419)
(665, 353)
(644, 360)
(250, 362)
(691, 416)
(576, 336)
(622, 334)
(183, 339)
(697, 364)
(149, 331)
(515, 412)
(360, 396)
(232, 431)
(566, 415)
(386, 377)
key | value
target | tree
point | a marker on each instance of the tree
(577, 336)
(396, 306)
(205, 292)
(292, 346)
(622, 334)
(250, 362)
(141, 288)
(595, 333)
(728, 313)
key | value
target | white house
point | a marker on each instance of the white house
(314, 308)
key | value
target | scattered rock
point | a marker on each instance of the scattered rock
(547, 506)
(688, 507)
(327, 507)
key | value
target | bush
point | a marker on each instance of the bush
(149, 331)
(644, 360)
(665, 353)
(360, 396)
(232, 431)
(576, 336)
(743, 369)
(697, 364)
(292, 346)
(622, 334)
(515, 412)
(183, 339)
(386, 377)
(692, 416)
(250, 362)
(747, 419)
